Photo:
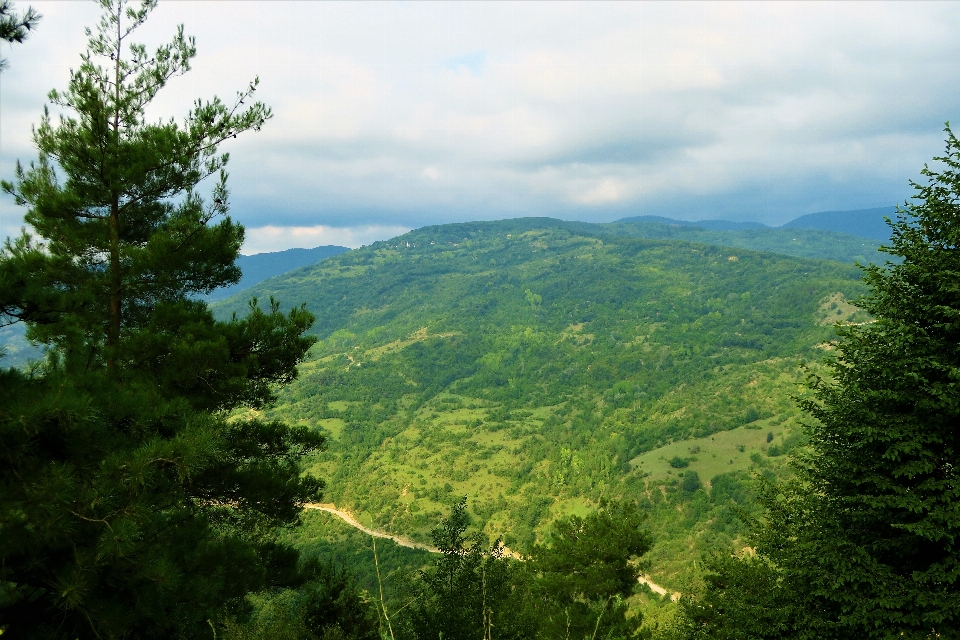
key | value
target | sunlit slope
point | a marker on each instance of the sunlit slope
(526, 364)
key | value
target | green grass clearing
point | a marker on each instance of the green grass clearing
(722, 452)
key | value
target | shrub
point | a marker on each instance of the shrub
(691, 482)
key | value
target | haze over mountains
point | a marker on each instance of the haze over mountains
(843, 236)
(260, 266)
(866, 223)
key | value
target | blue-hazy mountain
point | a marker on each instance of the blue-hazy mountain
(260, 266)
(865, 223)
(16, 351)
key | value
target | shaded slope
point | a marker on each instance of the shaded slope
(712, 225)
(860, 223)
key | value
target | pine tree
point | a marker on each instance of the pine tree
(571, 586)
(13, 27)
(866, 541)
(131, 503)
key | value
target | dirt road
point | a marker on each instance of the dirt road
(350, 520)
(406, 542)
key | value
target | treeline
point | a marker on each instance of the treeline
(575, 584)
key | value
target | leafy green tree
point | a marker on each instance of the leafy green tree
(328, 605)
(14, 27)
(579, 577)
(743, 599)
(865, 540)
(468, 592)
(691, 482)
(131, 504)
(332, 603)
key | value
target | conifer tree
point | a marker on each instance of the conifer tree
(14, 27)
(131, 504)
(572, 586)
(579, 578)
(866, 541)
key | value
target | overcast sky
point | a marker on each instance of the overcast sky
(394, 115)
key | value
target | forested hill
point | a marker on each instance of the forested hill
(526, 363)
(801, 243)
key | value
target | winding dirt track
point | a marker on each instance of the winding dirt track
(350, 520)
(406, 542)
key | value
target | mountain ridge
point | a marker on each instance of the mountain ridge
(260, 266)
(866, 223)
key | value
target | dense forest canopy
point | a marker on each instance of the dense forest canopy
(534, 364)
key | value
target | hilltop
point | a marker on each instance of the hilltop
(537, 366)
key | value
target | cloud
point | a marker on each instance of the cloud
(421, 113)
(607, 191)
(471, 63)
(272, 238)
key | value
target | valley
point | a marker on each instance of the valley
(537, 367)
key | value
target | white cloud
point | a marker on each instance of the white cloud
(607, 191)
(572, 109)
(273, 238)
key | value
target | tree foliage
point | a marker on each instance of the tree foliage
(865, 541)
(326, 604)
(131, 504)
(571, 586)
(468, 592)
(581, 574)
(15, 27)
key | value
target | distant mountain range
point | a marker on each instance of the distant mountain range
(838, 245)
(260, 266)
(256, 268)
(866, 223)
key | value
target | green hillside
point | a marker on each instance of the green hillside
(537, 367)
(801, 243)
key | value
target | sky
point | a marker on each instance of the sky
(390, 116)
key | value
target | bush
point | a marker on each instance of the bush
(691, 482)
(678, 463)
